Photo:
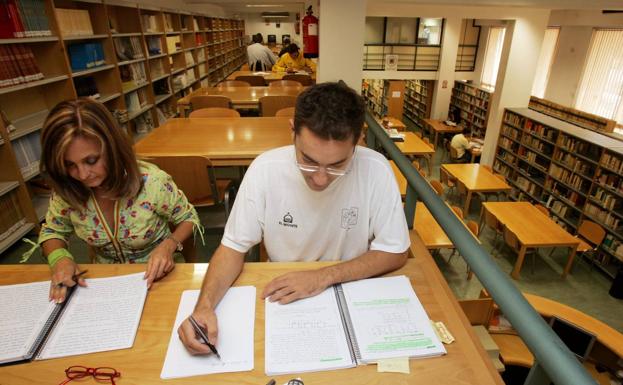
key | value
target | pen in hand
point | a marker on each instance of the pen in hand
(202, 334)
(74, 278)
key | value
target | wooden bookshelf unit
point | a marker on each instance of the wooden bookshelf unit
(418, 101)
(571, 115)
(575, 172)
(473, 103)
(384, 97)
(139, 78)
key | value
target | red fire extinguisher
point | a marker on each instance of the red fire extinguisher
(310, 34)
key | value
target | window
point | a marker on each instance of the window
(493, 53)
(544, 64)
(601, 87)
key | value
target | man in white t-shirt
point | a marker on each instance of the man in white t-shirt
(321, 199)
(461, 145)
(260, 57)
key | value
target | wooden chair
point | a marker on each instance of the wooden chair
(489, 220)
(253, 80)
(437, 186)
(458, 211)
(269, 105)
(542, 209)
(590, 235)
(512, 241)
(486, 196)
(245, 67)
(305, 80)
(419, 168)
(214, 112)
(473, 227)
(446, 179)
(478, 311)
(287, 112)
(454, 155)
(232, 83)
(207, 101)
(427, 141)
(285, 83)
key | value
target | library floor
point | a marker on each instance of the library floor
(585, 289)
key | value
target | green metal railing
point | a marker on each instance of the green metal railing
(553, 360)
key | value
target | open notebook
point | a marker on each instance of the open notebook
(346, 325)
(102, 316)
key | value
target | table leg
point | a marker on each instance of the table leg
(436, 137)
(468, 199)
(520, 258)
(569, 261)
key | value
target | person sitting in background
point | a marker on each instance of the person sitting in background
(293, 61)
(284, 48)
(119, 206)
(461, 144)
(260, 57)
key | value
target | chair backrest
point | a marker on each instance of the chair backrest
(591, 232)
(193, 175)
(214, 112)
(233, 83)
(437, 186)
(253, 80)
(491, 220)
(478, 311)
(419, 168)
(542, 209)
(445, 177)
(245, 67)
(453, 153)
(269, 105)
(427, 141)
(511, 239)
(285, 83)
(305, 80)
(473, 227)
(287, 112)
(458, 211)
(461, 189)
(207, 101)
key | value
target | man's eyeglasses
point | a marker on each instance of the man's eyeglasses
(100, 374)
(329, 170)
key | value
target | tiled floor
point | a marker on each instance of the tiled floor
(585, 289)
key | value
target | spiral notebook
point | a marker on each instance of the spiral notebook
(102, 316)
(347, 325)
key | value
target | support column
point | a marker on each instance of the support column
(446, 74)
(342, 29)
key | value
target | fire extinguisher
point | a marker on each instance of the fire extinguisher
(310, 34)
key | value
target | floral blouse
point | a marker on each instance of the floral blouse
(140, 223)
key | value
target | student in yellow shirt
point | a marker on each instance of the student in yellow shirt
(293, 61)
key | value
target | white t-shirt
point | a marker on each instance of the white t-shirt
(257, 51)
(460, 144)
(357, 212)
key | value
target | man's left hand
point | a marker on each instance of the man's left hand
(297, 285)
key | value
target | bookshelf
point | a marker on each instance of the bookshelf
(571, 115)
(384, 97)
(575, 172)
(473, 102)
(142, 59)
(418, 100)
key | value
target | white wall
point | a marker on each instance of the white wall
(181, 5)
(254, 23)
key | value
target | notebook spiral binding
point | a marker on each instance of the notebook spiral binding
(40, 341)
(355, 353)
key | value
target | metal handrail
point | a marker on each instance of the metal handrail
(553, 360)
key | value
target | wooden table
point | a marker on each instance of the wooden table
(269, 76)
(438, 126)
(393, 123)
(475, 178)
(241, 97)
(400, 179)
(430, 231)
(533, 229)
(226, 141)
(465, 363)
(414, 146)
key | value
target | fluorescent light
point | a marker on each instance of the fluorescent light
(264, 5)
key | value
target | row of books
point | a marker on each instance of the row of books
(577, 165)
(144, 123)
(607, 200)
(23, 18)
(173, 44)
(569, 178)
(613, 162)
(84, 56)
(540, 130)
(28, 153)
(571, 115)
(156, 68)
(17, 65)
(511, 132)
(602, 215)
(188, 56)
(613, 181)
(150, 23)
(545, 148)
(132, 75)
(136, 100)
(472, 90)
(128, 48)
(74, 22)
(587, 149)
(86, 87)
(154, 45)
(11, 216)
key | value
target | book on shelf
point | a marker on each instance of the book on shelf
(132, 75)
(136, 100)
(168, 22)
(23, 18)
(188, 56)
(150, 23)
(37, 329)
(173, 44)
(8, 125)
(28, 153)
(11, 216)
(83, 56)
(154, 45)
(128, 48)
(358, 322)
(18, 65)
(144, 123)
(74, 22)
(86, 87)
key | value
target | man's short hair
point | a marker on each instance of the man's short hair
(286, 41)
(332, 111)
(292, 48)
(258, 38)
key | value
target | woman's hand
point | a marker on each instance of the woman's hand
(160, 261)
(63, 274)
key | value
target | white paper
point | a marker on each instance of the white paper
(395, 94)
(236, 321)
(389, 320)
(306, 335)
(100, 317)
(25, 308)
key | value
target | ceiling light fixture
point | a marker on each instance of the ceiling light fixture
(264, 5)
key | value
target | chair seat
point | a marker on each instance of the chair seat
(208, 200)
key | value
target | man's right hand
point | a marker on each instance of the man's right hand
(206, 318)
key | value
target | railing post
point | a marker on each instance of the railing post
(410, 201)
(537, 376)
(370, 139)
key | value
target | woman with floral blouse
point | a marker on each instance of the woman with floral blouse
(119, 206)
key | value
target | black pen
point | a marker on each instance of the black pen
(73, 278)
(202, 334)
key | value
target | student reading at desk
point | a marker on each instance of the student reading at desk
(321, 199)
(260, 57)
(461, 144)
(293, 61)
(119, 206)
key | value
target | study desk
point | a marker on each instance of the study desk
(475, 178)
(438, 126)
(269, 76)
(400, 179)
(414, 146)
(226, 141)
(393, 123)
(465, 363)
(430, 231)
(241, 97)
(533, 229)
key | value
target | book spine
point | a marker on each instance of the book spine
(347, 323)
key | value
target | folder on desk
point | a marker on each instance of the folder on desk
(347, 325)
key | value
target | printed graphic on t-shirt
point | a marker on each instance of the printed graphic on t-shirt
(288, 221)
(349, 217)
